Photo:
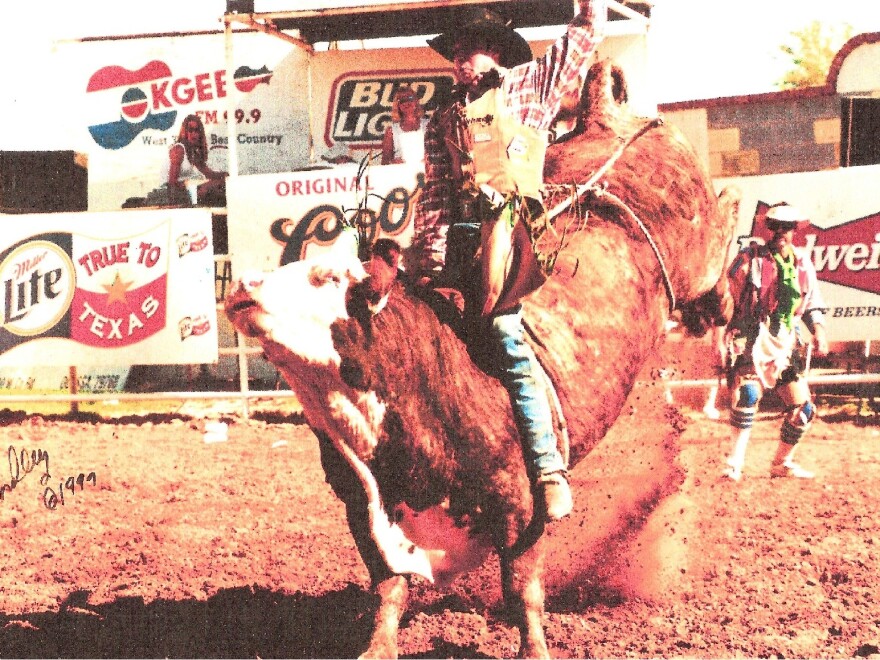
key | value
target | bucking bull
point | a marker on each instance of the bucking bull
(416, 440)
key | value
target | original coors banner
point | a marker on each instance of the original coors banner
(108, 289)
(843, 238)
(278, 218)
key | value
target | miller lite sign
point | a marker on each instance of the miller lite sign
(78, 291)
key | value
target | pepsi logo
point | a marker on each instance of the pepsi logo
(246, 78)
(134, 105)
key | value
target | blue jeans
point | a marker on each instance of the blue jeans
(516, 367)
(509, 358)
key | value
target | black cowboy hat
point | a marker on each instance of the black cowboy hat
(784, 216)
(485, 26)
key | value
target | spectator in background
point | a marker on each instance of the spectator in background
(404, 139)
(774, 287)
(190, 180)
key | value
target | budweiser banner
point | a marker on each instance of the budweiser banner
(843, 238)
(85, 289)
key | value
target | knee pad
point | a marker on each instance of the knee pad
(797, 422)
(745, 405)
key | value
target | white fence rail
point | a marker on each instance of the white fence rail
(245, 394)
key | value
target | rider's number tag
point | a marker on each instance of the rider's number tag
(517, 148)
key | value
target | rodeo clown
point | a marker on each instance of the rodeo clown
(484, 160)
(774, 286)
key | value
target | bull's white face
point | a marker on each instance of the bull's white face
(296, 305)
(291, 312)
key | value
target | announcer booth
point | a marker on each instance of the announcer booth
(349, 63)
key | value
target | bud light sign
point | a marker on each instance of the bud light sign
(360, 105)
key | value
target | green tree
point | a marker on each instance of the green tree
(811, 50)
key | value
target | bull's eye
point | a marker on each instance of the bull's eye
(318, 277)
(241, 306)
(352, 374)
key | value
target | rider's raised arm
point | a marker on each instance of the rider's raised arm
(537, 88)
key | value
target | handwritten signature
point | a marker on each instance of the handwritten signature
(22, 463)
(52, 499)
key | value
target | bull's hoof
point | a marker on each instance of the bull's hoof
(536, 649)
(379, 651)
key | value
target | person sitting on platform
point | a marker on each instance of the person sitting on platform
(189, 178)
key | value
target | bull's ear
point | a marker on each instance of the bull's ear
(382, 274)
(361, 305)
(388, 250)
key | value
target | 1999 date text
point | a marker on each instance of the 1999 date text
(52, 499)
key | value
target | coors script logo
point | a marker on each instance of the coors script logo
(847, 254)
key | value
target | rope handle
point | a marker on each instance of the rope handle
(600, 190)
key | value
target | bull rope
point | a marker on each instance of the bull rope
(619, 203)
(600, 191)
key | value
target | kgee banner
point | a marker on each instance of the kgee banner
(126, 99)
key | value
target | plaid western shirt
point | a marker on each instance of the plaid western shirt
(534, 92)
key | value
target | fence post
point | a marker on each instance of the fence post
(243, 375)
(73, 388)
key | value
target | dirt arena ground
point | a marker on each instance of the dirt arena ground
(171, 546)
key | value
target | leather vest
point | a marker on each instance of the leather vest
(488, 146)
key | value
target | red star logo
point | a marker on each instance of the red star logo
(116, 290)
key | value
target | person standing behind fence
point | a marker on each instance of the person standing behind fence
(404, 139)
(774, 286)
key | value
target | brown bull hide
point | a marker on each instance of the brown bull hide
(412, 431)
